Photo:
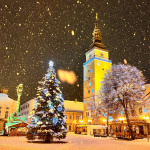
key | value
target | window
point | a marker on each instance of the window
(121, 112)
(102, 68)
(0, 112)
(91, 70)
(145, 110)
(87, 114)
(69, 128)
(66, 116)
(92, 90)
(70, 117)
(90, 56)
(102, 55)
(133, 112)
(77, 117)
(85, 101)
(88, 91)
(0, 107)
(7, 107)
(87, 66)
(89, 78)
(98, 63)
(90, 83)
(85, 78)
(6, 114)
(140, 110)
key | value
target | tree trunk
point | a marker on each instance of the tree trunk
(129, 125)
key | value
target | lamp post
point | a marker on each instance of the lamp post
(146, 118)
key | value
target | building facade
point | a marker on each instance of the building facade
(26, 109)
(7, 107)
(73, 112)
(94, 69)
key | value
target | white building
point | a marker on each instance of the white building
(26, 109)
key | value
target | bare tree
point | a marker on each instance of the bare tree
(122, 89)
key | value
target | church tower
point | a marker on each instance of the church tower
(94, 69)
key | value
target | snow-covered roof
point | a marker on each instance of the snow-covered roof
(4, 97)
(147, 86)
(72, 106)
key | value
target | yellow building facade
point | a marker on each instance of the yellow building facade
(7, 107)
(94, 69)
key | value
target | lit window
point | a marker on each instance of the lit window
(6, 114)
(91, 70)
(121, 112)
(110, 118)
(98, 63)
(85, 101)
(92, 90)
(85, 78)
(90, 83)
(145, 110)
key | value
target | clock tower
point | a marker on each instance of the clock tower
(94, 69)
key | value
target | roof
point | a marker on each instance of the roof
(147, 86)
(4, 98)
(72, 106)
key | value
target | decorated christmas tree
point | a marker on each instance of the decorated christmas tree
(48, 119)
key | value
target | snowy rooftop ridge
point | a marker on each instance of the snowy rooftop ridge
(4, 97)
(73, 106)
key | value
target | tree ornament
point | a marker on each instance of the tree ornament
(55, 120)
(59, 108)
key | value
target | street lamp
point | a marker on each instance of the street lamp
(146, 118)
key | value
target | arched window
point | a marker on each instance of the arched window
(6, 114)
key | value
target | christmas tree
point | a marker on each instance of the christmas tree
(48, 119)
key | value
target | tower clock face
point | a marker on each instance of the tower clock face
(88, 83)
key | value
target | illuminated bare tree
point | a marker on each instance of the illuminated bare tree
(122, 89)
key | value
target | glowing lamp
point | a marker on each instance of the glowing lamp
(89, 120)
(81, 121)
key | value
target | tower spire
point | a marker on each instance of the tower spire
(97, 35)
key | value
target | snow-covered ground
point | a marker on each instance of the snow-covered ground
(74, 142)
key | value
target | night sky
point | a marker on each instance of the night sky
(34, 32)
